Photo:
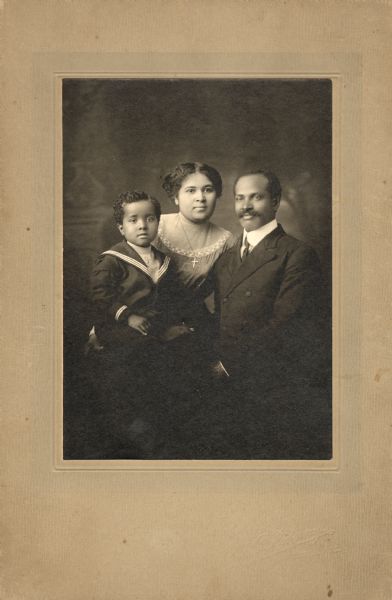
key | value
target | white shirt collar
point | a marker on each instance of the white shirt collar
(149, 258)
(141, 250)
(255, 237)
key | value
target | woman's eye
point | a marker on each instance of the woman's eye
(209, 189)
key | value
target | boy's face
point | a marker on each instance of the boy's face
(140, 223)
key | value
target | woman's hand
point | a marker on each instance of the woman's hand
(175, 331)
(141, 324)
(219, 370)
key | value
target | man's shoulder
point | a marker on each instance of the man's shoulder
(298, 254)
(292, 244)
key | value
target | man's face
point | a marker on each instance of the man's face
(253, 203)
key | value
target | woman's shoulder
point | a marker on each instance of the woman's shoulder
(220, 231)
(219, 240)
(166, 224)
(222, 236)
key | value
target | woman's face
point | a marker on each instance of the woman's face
(196, 198)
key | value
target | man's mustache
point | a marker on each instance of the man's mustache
(248, 211)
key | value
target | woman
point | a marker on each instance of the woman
(194, 243)
(188, 236)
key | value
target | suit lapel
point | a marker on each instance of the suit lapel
(232, 261)
(234, 258)
(263, 253)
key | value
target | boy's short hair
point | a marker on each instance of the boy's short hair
(128, 198)
(172, 182)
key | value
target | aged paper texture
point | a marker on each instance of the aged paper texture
(223, 530)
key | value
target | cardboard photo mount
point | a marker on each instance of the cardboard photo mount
(221, 531)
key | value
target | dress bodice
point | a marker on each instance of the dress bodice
(183, 246)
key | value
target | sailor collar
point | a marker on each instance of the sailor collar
(137, 262)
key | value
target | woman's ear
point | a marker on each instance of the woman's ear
(120, 228)
(176, 200)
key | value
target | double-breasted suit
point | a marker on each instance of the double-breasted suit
(267, 306)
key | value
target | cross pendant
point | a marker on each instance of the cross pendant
(194, 262)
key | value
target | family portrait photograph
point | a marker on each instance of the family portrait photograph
(197, 268)
(196, 352)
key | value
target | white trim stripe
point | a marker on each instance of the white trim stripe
(162, 269)
(120, 312)
(129, 260)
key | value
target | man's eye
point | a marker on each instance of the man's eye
(259, 197)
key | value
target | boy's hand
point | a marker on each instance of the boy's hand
(175, 331)
(141, 324)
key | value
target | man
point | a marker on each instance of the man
(267, 290)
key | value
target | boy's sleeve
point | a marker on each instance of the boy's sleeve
(106, 277)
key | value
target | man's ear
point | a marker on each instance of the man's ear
(276, 204)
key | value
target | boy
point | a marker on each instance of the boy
(139, 304)
(136, 294)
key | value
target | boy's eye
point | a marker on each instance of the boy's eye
(151, 219)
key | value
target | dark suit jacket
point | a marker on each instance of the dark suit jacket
(268, 310)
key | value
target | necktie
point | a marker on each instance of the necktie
(246, 249)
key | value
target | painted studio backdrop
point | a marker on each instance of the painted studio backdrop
(123, 135)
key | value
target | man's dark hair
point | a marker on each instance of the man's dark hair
(172, 182)
(128, 198)
(273, 187)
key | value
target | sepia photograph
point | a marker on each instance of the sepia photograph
(196, 368)
(197, 265)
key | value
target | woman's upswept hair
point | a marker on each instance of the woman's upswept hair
(128, 198)
(172, 182)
